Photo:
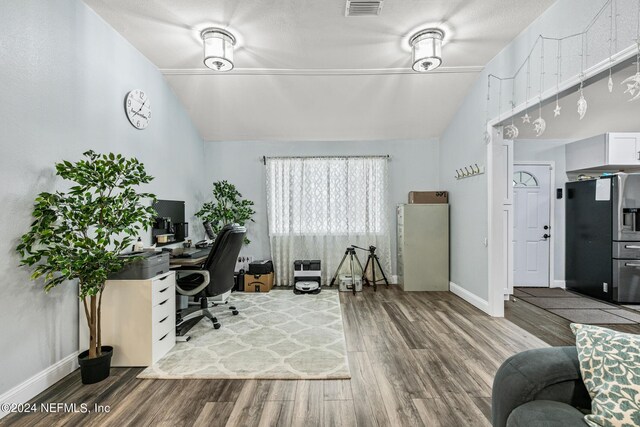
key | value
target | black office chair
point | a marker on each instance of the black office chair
(215, 277)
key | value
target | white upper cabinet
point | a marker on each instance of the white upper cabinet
(623, 149)
(610, 151)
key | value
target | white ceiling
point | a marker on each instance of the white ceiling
(305, 71)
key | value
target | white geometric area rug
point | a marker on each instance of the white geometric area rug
(277, 335)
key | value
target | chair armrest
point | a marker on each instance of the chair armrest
(547, 373)
(195, 291)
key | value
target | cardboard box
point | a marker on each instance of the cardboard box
(427, 197)
(258, 282)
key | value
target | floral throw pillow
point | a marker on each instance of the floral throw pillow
(610, 368)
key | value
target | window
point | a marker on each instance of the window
(327, 195)
(524, 179)
(319, 206)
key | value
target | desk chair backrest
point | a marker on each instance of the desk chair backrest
(221, 262)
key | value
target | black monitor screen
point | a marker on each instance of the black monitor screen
(173, 209)
(170, 220)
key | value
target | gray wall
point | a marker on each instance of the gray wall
(463, 141)
(413, 166)
(63, 77)
(549, 150)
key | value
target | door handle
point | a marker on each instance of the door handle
(631, 247)
(546, 236)
(546, 227)
(631, 264)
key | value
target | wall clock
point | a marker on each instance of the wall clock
(138, 108)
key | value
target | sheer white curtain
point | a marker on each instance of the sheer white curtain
(317, 206)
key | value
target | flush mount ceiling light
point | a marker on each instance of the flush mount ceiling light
(427, 49)
(218, 49)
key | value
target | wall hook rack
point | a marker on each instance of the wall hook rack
(469, 171)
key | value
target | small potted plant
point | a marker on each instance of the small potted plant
(79, 233)
(227, 207)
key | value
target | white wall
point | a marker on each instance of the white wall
(549, 150)
(64, 74)
(413, 166)
(463, 141)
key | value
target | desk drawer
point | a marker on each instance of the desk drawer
(162, 288)
(162, 326)
(163, 344)
(162, 314)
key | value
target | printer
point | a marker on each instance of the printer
(149, 264)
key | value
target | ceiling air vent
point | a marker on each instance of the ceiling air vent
(363, 8)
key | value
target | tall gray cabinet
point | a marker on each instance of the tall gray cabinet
(423, 247)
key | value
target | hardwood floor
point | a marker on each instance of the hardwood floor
(415, 358)
(547, 326)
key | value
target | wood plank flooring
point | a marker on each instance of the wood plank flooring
(416, 359)
(547, 326)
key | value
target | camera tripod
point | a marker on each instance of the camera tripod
(372, 259)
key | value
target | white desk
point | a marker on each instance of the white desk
(138, 319)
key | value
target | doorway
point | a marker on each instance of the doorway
(532, 224)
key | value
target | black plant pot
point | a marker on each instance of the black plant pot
(96, 369)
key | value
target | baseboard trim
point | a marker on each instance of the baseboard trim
(469, 297)
(559, 284)
(40, 382)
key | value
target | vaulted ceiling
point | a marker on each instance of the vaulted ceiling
(304, 71)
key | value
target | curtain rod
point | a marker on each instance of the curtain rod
(382, 156)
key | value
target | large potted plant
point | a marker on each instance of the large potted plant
(227, 207)
(78, 234)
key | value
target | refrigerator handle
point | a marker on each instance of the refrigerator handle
(631, 264)
(631, 247)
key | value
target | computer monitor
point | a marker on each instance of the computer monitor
(209, 230)
(170, 221)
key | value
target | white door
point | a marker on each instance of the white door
(531, 226)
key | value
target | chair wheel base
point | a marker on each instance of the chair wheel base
(235, 312)
(216, 326)
(232, 307)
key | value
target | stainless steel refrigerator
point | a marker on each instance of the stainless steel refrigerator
(603, 237)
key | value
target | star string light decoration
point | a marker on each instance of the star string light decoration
(486, 136)
(633, 86)
(633, 82)
(556, 111)
(539, 124)
(527, 118)
(611, 35)
(582, 103)
(511, 131)
(610, 84)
